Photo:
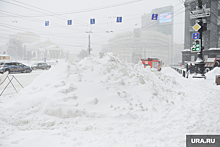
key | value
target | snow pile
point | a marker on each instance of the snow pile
(95, 87)
(117, 103)
(212, 74)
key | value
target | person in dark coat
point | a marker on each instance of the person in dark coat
(187, 70)
(187, 67)
(190, 68)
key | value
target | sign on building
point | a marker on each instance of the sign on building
(200, 13)
(165, 17)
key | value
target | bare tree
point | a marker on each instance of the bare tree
(15, 49)
(83, 53)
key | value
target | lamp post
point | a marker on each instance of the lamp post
(89, 47)
(109, 32)
(199, 63)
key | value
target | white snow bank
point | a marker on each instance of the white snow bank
(116, 102)
(212, 74)
(96, 86)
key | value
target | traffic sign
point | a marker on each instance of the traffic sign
(154, 16)
(196, 27)
(69, 22)
(119, 19)
(200, 13)
(46, 23)
(92, 21)
(196, 35)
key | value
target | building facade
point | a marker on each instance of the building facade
(36, 50)
(26, 37)
(177, 52)
(133, 46)
(153, 39)
(164, 24)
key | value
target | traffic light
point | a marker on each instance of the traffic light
(197, 46)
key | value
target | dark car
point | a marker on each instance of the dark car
(14, 67)
(41, 66)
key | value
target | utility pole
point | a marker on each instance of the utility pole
(89, 47)
(199, 63)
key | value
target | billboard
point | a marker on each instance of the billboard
(165, 17)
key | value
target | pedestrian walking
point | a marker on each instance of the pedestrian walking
(187, 70)
(190, 68)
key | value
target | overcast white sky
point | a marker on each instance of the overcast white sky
(74, 37)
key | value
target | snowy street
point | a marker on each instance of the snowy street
(24, 78)
(104, 101)
(112, 73)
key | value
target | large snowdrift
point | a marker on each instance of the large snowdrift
(117, 103)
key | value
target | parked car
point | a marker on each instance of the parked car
(51, 62)
(40, 66)
(14, 67)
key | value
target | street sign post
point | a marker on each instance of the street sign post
(200, 13)
(46, 23)
(195, 35)
(119, 19)
(196, 27)
(92, 21)
(154, 16)
(69, 22)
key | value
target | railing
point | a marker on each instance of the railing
(181, 71)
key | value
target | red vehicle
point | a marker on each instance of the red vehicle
(211, 63)
(152, 62)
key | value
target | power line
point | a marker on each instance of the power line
(3, 25)
(80, 11)
(44, 12)
(53, 13)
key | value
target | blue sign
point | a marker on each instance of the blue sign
(92, 21)
(166, 17)
(154, 16)
(196, 35)
(46, 23)
(119, 19)
(69, 22)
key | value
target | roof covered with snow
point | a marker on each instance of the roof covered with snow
(185, 50)
(214, 49)
(4, 55)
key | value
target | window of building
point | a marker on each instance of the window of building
(218, 4)
(192, 58)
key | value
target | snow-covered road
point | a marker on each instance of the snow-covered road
(24, 78)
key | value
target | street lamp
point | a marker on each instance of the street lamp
(89, 48)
